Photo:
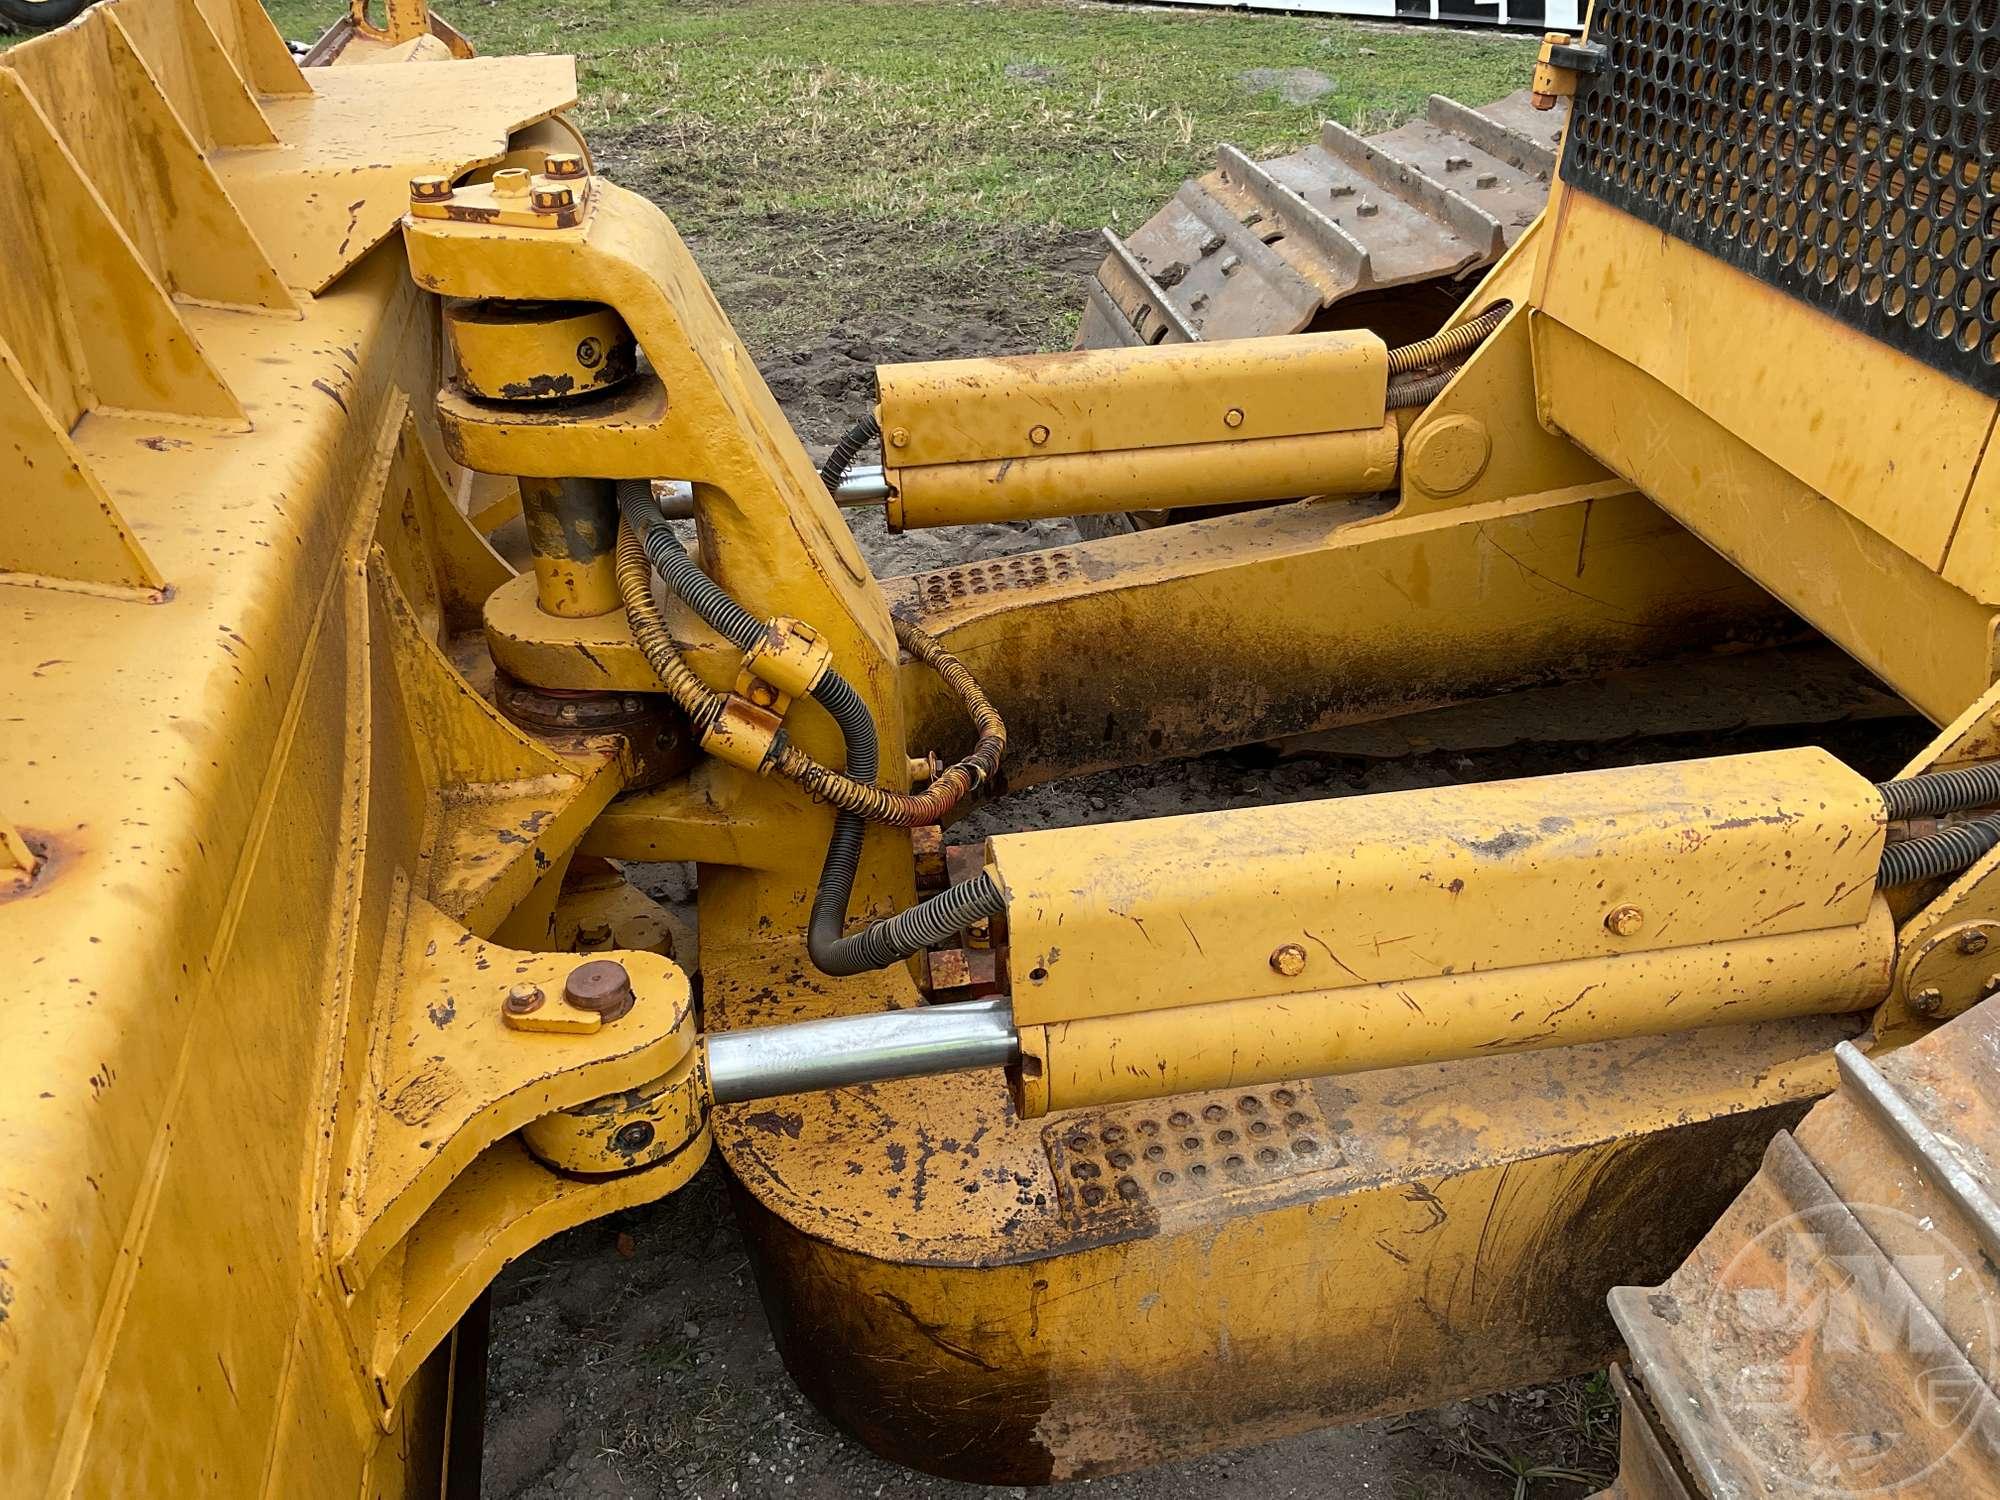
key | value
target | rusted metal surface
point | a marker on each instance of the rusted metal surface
(969, 970)
(1647, 1467)
(657, 742)
(1839, 1329)
(602, 986)
(1256, 248)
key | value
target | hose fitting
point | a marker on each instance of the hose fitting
(646, 543)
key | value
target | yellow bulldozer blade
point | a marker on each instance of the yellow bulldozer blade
(1058, 1154)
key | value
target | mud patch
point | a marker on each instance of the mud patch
(821, 299)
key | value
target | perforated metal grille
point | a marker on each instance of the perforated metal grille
(1847, 153)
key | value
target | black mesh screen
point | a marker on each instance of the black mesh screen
(1846, 153)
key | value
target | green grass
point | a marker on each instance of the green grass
(904, 111)
(935, 166)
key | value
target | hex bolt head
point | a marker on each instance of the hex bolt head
(523, 1000)
(1038, 434)
(1233, 417)
(429, 188)
(899, 437)
(552, 197)
(563, 164)
(1970, 943)
(1288, 959)
(511, 182)
(1927, 1001)
(632, 1137)
(1624, 921)
(1486, 180)
(1368, 208)
(602, 985)
(594, 935)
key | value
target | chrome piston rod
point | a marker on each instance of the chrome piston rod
(865, 485)
(762, 1062)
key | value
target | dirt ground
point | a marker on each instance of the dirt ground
(632, 1357)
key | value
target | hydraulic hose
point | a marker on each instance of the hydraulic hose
(841, 459)
(849, 792)
(1935, 792)
(1449, 347)
(894, 938)
(693, 587)
(1419, 390)
(951, 786)
(1946, 852)
(644, 542)
(701, 703)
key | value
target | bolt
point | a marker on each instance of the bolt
(1457, 163)
(1289, 959)
(899, 437)
(553, 198)
(511, 182)
(523, 1000)
(594, 935)
(562, 164)
(1230, 263)
(1486, 180)
(589, 353)
(1972, 942)
(633, 1137)
(602, 985)
(1038, 434)
(1341, 190)
(1992, 985)
(429, 188)
(1368, 208)
(1233, 417)
(1624, 921)
(1927, 1001)
(980, 934)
